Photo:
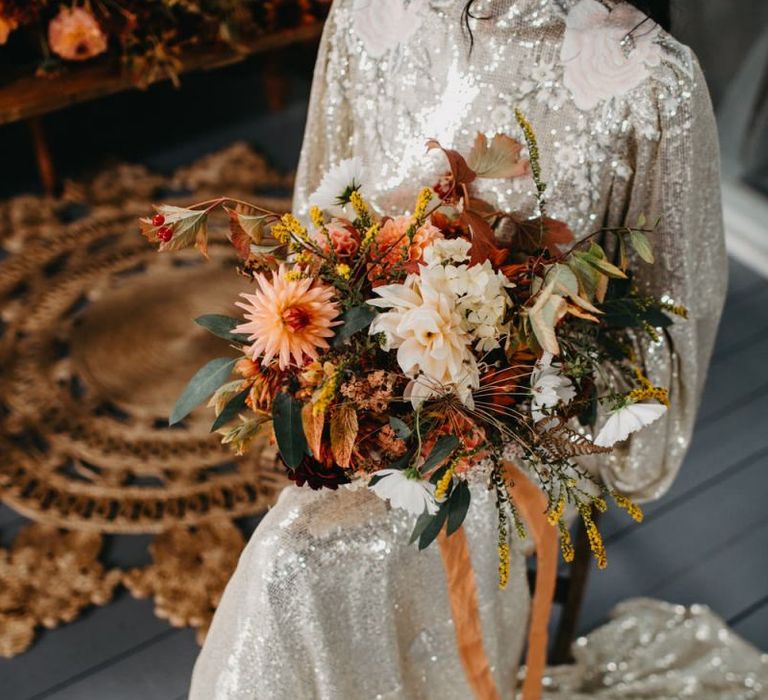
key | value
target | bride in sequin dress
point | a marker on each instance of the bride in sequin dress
(329, 600)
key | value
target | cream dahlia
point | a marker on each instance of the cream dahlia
(433, 347)
(75, 35)
(288, 318)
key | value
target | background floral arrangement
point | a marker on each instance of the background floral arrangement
(421, 353)
(148, 35)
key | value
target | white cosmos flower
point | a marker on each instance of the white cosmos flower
(337, 184)
(549, 387)
(405, 489)
(627, 420)
(427, 330)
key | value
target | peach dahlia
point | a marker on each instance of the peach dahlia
(288, 318)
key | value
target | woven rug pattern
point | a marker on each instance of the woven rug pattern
(96, 341)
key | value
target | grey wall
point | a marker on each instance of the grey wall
(721, 33)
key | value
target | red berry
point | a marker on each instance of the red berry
(158, 220)
(165, 234)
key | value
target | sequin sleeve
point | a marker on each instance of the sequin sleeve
(328, 129)
(676, 179)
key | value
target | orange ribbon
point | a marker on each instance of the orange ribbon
(462, 593)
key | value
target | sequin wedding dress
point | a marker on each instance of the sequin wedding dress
(328, 600)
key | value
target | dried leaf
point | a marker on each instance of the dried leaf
(558, 441)
(189, 228)
(344, 428)
(313, 428)
(483, 240)
(246, 229)
(461, 172)
(544, 315)
(499, 159)
(532, 235)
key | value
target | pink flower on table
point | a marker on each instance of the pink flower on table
(606, 52)
(6, 27)
(75, 35)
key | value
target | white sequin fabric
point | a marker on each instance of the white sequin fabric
(329, 600)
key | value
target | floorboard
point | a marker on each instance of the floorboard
(61, 654)
(753, 623)
(657, 552)
(742, 279)
(159, 670)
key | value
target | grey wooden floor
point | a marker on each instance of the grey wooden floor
(704, 542)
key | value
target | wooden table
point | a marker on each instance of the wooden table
(30, 97)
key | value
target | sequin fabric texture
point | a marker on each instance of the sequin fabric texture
(329, 601)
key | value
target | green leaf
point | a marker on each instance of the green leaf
(642, 246)
(458, 505)
(201, 386)
(441, 451)
(289, 431)
(602, 265)
(376, 478)
(355, 319)
(401, 429)
(421, 525)
(439, 473)
(588, 276)
(433, 527)
(233, 407)
(402, 462)
(222, 327)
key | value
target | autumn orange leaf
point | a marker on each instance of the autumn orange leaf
(344, 429)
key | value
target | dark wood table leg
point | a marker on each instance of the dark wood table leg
(45, 166)
(577, 588)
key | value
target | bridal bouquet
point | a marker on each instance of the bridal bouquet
(421, 352)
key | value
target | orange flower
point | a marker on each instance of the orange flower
(75, 35)
(392, 247)
(7, 25)
(288, 318)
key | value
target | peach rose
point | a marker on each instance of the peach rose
(392, 247)
(343, 237)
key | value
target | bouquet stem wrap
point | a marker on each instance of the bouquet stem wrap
(462, 592)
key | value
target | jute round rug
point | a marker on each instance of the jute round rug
(96, 342)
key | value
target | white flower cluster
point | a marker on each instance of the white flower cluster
(435, 318)
(479, 290)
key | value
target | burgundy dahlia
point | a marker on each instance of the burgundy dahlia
(317, 476)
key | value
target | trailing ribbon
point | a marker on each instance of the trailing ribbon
(462, 593)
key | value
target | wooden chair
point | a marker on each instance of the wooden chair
(569, 595)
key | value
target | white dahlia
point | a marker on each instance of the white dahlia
(428, 332)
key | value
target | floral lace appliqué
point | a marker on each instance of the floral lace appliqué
(383, 25)
(606, 52)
